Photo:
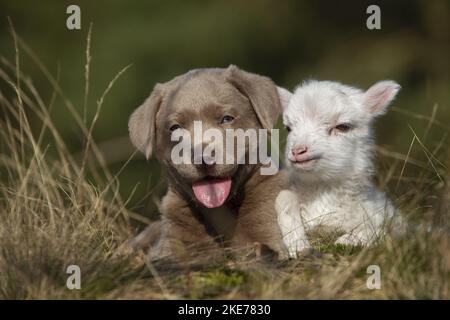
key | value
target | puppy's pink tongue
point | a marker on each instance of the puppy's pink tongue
(212, 193)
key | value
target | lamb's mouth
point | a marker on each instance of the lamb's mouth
(307, 162)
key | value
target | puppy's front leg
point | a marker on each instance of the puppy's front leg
(182, 225)
(290, 222)
(146, 238)
(257, 223)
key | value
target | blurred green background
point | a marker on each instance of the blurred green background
(288, 41)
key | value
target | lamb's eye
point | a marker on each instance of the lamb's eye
(174, 127)
(288, 128)
(226, 119)
(343, 127)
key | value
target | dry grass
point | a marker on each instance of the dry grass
(57, 210)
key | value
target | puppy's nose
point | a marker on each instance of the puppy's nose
(299, 150)
(209, 160)
(204, 160)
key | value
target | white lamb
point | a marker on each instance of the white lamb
(329, 154)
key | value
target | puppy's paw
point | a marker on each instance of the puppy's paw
(125, 249)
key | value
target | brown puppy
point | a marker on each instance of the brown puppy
(242, 212)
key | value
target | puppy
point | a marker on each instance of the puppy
(329, 154)
(210, 205)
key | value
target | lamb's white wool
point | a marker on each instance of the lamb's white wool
(329, 155)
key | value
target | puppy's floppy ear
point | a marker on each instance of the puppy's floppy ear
(260, 90)
(142, 123)
(285, 97)
(378, 97)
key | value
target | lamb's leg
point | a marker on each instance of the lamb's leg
(365, 234)
(353, 239)
(375, 214)
(290, 222)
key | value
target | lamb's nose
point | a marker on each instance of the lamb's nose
(299, 150)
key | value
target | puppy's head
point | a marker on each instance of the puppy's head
(217, 99)
(329, 124)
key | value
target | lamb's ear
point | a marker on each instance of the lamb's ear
(142, 125)
(260, 90)
(378, 97)
(285, 97)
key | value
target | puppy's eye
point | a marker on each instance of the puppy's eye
(343, 127)
(174, 127)
(226, 119)
(288, 128)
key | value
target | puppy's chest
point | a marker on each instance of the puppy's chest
(222, 220)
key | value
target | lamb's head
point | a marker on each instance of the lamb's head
(329, 128)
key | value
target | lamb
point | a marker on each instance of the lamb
(329, 154)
